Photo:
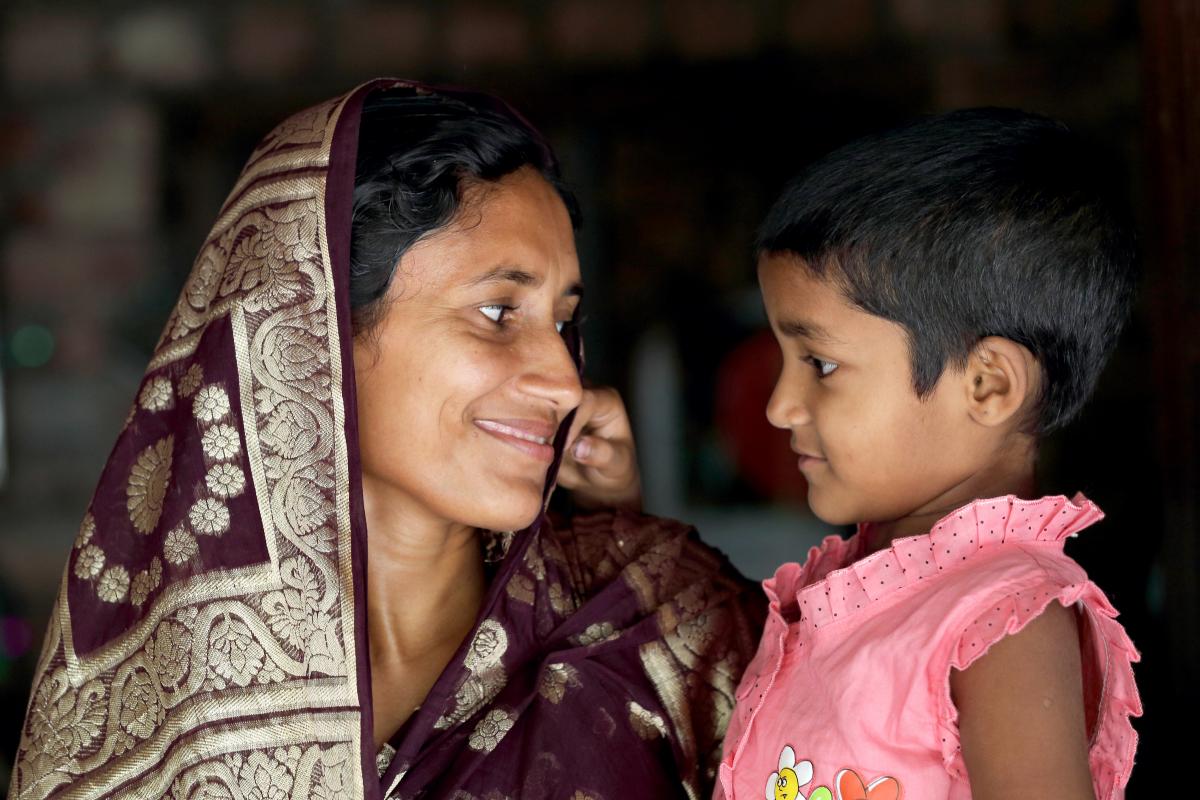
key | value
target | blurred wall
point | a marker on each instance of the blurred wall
(677, 120)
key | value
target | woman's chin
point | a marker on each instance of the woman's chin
(514, 515)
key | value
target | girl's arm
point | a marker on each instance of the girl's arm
(1021, 717)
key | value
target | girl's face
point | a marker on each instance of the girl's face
(464, 381)
(870, 449)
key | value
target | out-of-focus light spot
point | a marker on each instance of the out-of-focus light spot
(15, 637)
(31, 346)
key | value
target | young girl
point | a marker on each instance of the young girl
(944, 295)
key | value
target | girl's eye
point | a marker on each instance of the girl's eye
(558, 326)
(824, 368)
(495, 312)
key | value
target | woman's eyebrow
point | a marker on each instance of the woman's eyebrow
(521, 277)
(506, 274)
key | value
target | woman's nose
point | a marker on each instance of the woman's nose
(550, 372)
(786, 408)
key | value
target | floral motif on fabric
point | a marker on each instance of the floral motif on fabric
(556, 678)
(221, 442)
(113, 584)
(225, 480)
(89, 562)
(157, 394)
(179, 546)
(191, 380)
(148, 482)
(790, 777)
(108, 713)
(490, 730)
(211, 404)
(87, 529)
(209, 516)
(596, 633)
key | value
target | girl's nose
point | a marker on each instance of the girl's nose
(786, 408)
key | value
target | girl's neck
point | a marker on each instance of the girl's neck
(1013, 475)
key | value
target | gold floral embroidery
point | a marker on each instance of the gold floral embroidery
(179, 546)
(209, 516)
(87, 529)
(156, 394)
(211, 403)
(141, 587)
(62, 722)
(220, 442)
(141, 711)
(595, 633)
(284, 357)
(555, 680)
(89, 562)
(521, 588)
(488, 646)
(476, 691)
(233, 653)
(646, 723)
(113, 585)
(225, 480)
(191, 380)
(490, 730)
(169, 651)
(562, 603)
(293, 613)
(148, 481)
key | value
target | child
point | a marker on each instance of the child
(944, 295)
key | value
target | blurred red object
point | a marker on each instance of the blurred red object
(762, 453)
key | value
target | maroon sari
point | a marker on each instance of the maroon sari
(209, 639)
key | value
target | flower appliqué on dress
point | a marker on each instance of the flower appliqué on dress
(785, 783)
(791, 776)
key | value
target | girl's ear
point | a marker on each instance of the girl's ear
(1002, 381)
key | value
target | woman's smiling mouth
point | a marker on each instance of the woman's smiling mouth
(532, 437)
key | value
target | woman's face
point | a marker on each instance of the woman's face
(465, 379)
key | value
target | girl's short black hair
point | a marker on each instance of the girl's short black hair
(419, 151)
(974, 223)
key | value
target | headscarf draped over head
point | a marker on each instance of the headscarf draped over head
(209, 635)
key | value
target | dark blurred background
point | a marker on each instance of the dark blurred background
(124, 125)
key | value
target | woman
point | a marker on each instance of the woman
(380, 344)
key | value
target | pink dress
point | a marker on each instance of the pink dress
(852, 698)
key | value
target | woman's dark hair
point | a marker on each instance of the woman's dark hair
(418, 153)
(975, 223)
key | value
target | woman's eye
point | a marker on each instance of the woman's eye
(824, 368)
(558, 326)
(495, 313)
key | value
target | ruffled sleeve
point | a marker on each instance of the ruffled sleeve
(1045, 575)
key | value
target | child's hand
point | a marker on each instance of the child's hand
(600, 464)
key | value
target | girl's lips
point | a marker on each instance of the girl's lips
(532, 437)
(808, 461)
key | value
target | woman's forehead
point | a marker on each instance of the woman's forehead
(516, 230)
